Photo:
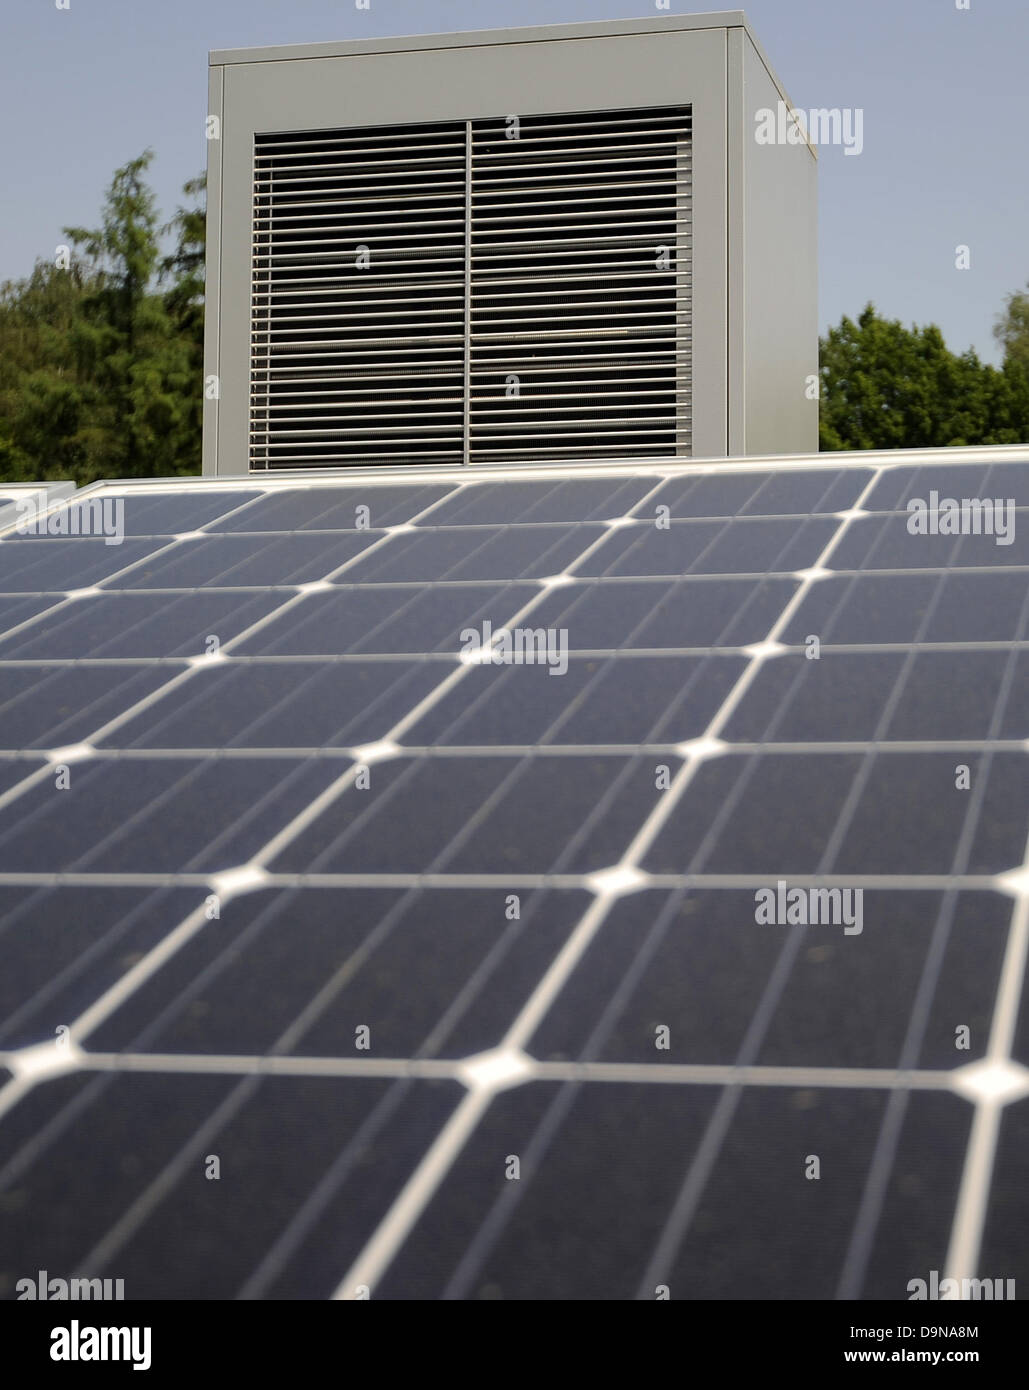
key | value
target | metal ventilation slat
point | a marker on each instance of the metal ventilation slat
(450, 293)
(577, 207)
(329, 315)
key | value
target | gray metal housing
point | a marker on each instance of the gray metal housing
(754, 214)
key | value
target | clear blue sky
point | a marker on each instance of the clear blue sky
(943, 91)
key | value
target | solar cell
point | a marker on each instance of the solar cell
(600, 701)
(240, 562)
(387, 620)
(338, 953)
(41, 565)
(746, 546)
(570, 499)
(151, 512)
(315, 705)
(109, 625)
(155, 815)
(329, 508)
(45, 706)
(887, 543)
(518, 882)
(639, 616)
(16, 610)
(897, 486)
(71, 945)
(484, 553)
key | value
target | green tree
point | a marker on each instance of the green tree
(101, 363)
(41, 398)
(1012, 329)
(884, 386)
(183, 272)
(126, 342)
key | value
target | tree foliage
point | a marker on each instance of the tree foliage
(1012, 329)
(884, 386)
(100, 367)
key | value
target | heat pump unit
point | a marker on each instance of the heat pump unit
(519, 246)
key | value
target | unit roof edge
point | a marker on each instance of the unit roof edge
(473, 38)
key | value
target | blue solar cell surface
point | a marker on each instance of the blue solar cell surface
(517, 880)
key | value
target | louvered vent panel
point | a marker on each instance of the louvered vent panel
(473, 292)
(358, 355)
(580, 286)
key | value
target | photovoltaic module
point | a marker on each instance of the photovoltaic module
(598, 882)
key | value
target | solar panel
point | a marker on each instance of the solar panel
(567, 883)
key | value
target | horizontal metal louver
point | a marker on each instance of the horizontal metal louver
(473, 291)
(358, 317)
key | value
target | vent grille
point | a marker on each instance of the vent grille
(473, 292)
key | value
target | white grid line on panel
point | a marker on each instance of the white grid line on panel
(958, 1079)
(244, 752)
(998, 1078)
(409, 1205)
(298, 588)
(235, 881)
(405, 1212)
(874, 1195)
(577, 653)
(145, 702)
(126, 984)
(134, 977)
